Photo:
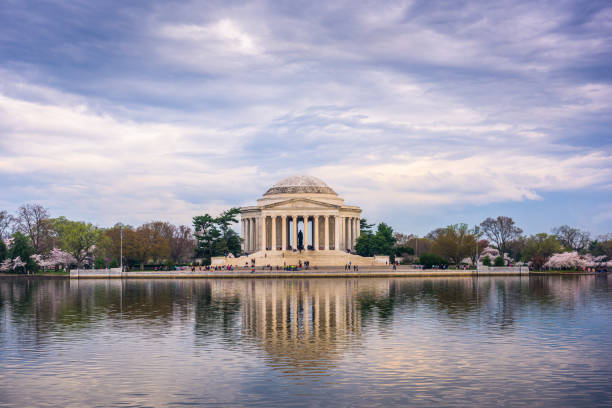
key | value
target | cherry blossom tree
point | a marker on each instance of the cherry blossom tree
(55, 258)
(59, 257)
(18, 263)
(6, 265)
(490, 252)
(567, 260)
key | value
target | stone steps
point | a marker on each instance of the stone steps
(316, 258)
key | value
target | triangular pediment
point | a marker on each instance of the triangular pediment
(299, 203)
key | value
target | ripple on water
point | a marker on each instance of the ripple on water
(349, 342)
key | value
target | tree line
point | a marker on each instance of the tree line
(498, 238)
(32, 240)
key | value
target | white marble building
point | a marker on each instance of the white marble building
(299, 206)
(305, 204)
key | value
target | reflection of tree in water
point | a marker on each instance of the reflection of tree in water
(298, 321)
(216, 309)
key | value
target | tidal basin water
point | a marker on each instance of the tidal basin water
(513, 341)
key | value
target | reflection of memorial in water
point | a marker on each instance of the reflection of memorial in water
(303, 321)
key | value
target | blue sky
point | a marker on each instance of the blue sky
(423, 113)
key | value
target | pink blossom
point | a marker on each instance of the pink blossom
(490, 252)
(18, 263)
(6, 265)
(567, 260)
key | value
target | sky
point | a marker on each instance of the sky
(424, 113)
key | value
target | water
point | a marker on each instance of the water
(539, 341)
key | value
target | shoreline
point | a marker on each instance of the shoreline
(294, 274)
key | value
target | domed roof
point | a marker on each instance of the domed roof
(300, 184)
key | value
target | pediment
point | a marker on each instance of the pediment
(301, 203)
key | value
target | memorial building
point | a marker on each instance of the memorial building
(300, 219)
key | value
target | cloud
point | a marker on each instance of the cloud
(166, 110)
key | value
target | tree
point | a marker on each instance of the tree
(364, 227)
(156, 237)
(381, 243)
(3, 250)
(33, 221)
(403, 251)
(516, 247)
(111, 244)
(182, 244)
(145, 243)
(22, 250)
(567, 260)
(572, 238)
(539, 248)
(365, 244)
(602, 246)
(500, 231)
(206, 234)
(402, 239)
(77, 238)
(384, 239)
(429, 260)
(499, 261)
(486, 261)
(214, 236)
(454, 243)
(7, 223)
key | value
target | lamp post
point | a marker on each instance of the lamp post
(476, 232)
(121, 247)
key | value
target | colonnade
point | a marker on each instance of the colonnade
(275, 232)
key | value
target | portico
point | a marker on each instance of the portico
(274, 230)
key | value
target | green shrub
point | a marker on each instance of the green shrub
(486, 261)
(99, 263)
(499, 261)
(429, 260)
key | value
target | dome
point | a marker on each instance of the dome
(300, 184)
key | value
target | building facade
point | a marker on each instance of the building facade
(300, 220)
(300, 204)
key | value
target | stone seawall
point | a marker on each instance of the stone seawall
(503, 270)
(315, 273)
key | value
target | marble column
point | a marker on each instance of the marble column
(264, 239)
(305, 232)
(242, 234)
(326, 233)
(255, 229)
(315, 224)
(349, 244)
(248, 234)
(336, 232)
(273, 232)
(284, 232)
(295, 232)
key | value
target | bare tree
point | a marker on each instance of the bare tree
(572, 238)
(183, 244)
(32, 220)
(402, 239)
(500, 231)
(7, 224)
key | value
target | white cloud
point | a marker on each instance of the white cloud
(390, 104)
